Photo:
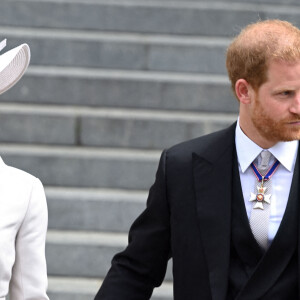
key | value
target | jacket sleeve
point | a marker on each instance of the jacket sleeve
(29, 275)
(142, 265)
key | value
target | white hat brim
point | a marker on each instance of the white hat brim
(13, 65)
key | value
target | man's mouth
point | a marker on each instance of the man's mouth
(296, 122)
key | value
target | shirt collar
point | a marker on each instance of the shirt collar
(247, 151)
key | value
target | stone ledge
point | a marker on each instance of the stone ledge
(94, 209)
(107, 88)
(70, 288)
(168, 17)
(84, 254)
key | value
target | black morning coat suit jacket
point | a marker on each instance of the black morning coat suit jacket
(188, 218)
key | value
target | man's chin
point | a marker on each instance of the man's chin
(290, 137)
(286, 136)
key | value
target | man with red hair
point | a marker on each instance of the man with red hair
(225, 206)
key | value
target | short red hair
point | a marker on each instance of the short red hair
(249, 54)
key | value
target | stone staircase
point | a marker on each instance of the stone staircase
(111, 84)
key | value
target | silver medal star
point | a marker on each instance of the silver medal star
(260, 197)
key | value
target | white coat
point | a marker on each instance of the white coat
(23, 226)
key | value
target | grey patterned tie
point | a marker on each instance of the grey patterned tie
(260, 213)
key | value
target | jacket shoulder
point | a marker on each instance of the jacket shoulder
(16, 177)
(204, 144)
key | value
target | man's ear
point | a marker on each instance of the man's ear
(243, 91)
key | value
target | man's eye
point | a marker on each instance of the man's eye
(285, 93)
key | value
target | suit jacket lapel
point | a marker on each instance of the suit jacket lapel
(212, 183)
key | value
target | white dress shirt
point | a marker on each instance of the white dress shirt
(286, 154)
(23, 226)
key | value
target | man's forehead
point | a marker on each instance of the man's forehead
(282, 72)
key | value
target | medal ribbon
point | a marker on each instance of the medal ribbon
(269, 174)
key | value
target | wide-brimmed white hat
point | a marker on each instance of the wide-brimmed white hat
(13, 65)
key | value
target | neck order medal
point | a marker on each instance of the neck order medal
(261, 197)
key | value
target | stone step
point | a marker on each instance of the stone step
(287, 2)
(127, 89)
(35, 124)
(84, 254)
(93, 209)
(74, 288)
(79, 48)
(160, 131)
(85, 167)
(44, 124)
(143, 16)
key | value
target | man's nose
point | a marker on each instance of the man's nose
(295, 107)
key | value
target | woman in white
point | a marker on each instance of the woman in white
(23, 210)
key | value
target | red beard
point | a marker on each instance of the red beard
(273, 130)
